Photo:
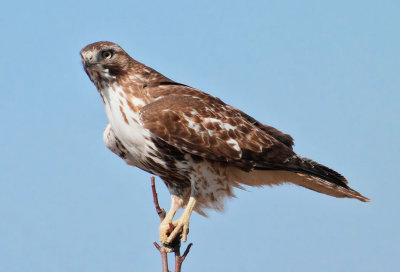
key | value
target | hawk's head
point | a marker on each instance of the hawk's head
(105, 61)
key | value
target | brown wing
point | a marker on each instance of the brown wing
(277, 134)
(211, 129)
(164, 87)
(203, 125)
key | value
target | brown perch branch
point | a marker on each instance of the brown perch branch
(179, 259)
(164, 257)
(176, 244)
(160, 211)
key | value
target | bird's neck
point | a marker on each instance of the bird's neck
(131, 88)
(128, 92)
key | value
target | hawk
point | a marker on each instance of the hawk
(198, 145)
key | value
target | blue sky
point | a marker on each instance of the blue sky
(326, 73)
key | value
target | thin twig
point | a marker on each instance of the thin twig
(175, 245)
(160, 211)
(186, 251)
(164, 257)
(179, 259)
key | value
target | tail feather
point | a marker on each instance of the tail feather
(307, 166)
(303, 172)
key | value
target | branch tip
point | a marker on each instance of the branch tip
(176, 244)
(186, 251)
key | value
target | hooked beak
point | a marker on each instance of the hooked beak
(88, 60)
(87, 64)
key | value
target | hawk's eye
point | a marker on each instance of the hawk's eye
(106, 54)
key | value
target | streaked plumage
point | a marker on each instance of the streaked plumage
(199, 146)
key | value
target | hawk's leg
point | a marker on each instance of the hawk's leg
(164, 229)
(182, 224)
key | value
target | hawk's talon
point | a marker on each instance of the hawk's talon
(172, 233)
(169, 232)
(181, 227)
(164, 230)
(169, 247)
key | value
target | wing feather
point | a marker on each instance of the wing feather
(212, 130)
(165, 87)
(202, 125)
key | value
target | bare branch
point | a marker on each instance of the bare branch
(186, 251)
(179, 259)
(160, 211)
(175, 245)
(164, 257)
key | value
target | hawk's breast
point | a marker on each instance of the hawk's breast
(125, 123)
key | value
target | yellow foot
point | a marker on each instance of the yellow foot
(169, 231)
(165, 229)
(181, 226)
(168, 235)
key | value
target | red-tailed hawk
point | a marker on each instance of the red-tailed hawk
(198, 145)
